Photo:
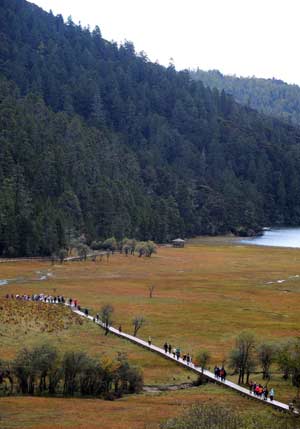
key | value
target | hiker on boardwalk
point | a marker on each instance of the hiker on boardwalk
(188, 359)
(97, 317)
(217, 372)
(223, 374)
(251, 385)
(259, 390)
(256, 390)
(149, 341)
(178, 353)
(86, 312)
(266, 392)
(166, 347)
(120, 328)
(272, 394)
(170, 348)
(174, 352)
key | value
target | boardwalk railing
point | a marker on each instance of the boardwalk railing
(198, 370)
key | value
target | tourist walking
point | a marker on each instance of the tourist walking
(217, 372)
(174, 352)
(223, 374)
(272, 394)
(149, 341)
(170, 348)
(178, 353)
(166, 347)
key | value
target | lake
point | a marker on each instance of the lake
(279, 237)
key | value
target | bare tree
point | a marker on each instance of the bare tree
(73, 365)
(266, 356)
(106, 316)
(145, 248)
(294, 366)
(138, 322)
(150, 248)
(140, 248)
(241, 358)
(151, 290)
(283, 358)
(203, 359)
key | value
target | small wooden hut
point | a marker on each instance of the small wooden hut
(178, 242)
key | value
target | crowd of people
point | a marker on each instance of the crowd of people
(57, 299)
(220, 373)
(176, 352)
(37, 297)
(261, 391)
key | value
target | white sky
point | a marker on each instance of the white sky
(242, 37)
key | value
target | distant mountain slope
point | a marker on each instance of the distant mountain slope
(96, 139)
(270, 96)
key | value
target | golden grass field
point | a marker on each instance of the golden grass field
(131, 412)
(204, 296)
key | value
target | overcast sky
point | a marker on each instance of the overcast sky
(242, 37)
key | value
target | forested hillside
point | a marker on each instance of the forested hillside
(270, 96)
(97, 140)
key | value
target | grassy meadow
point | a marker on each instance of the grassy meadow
(144, 411)
(204, 296)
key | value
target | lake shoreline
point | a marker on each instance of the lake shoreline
(281, 237)
(276, 237)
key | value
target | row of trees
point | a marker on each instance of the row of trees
(43, 371)
(126, 246)
(249, 354)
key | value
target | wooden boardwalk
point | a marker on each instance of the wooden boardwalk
(208, 374)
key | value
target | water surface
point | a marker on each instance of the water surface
(279, 237)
